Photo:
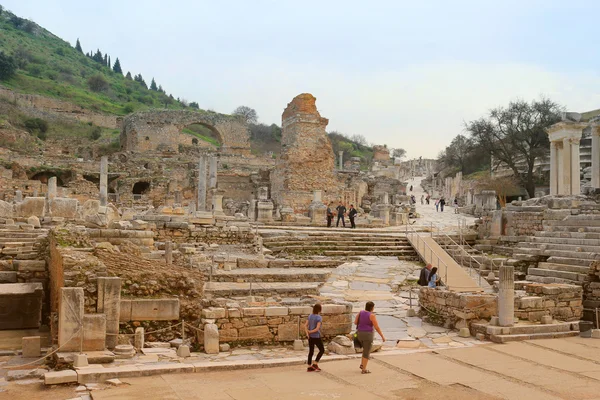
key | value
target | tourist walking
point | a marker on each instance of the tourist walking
(312, 327)
(411, 188)
(442, 204)
(437, 205)
(424, 275)
(433, 278)
(351, 215)
(365, 322)
(427, 199)
(329, 214)
(341, 211)
(456, 205)
(422, 199)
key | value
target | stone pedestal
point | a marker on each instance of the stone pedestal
(138, 339)
(70, 318)
(317, 211)
(287, 214)
(211, 339)
(109, 303)
(18, 196)
(506, 296)
(103, 181)
(265, 211)
(31, 346)
(202, 184)
(217, 203)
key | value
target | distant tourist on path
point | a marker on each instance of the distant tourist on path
(427, 199)
(456, 205)
(329, 214)
(351, 215)
(312, 327)
(341, 211)
(365, 322)
(433, 278)
(422, 198)
(437, 205)
(411, 188)
(424, 275)
(412, 199)
(442, 204)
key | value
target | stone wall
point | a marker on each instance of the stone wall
(49, 108)
(454, 309)
(161, 130)
(306, 162)
(274, 323)
(562, 302)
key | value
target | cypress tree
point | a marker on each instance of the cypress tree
(98, 57)
(117, 67)
(108, 64)
(78, 46)
(105, 60)
(153, 85)
(128, 76)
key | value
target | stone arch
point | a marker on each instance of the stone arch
(163, 130)
(141, 187)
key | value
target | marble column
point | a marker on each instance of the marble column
(104, 181)
(575, 169)
(169, 252)
(560, 168)
(109, 303)
(341, 157)
(51, 188)
(553, 169)
(70, 318)
(202, 183)
(506, 296)
(595, 157)
(212, 172)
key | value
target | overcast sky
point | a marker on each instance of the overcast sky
(402, 73)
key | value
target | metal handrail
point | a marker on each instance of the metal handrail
(471, 258)
(431, 253)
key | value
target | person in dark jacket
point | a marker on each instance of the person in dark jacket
(424, 276)
(329, 214)
(341, 211)
(442, 204)
(352, 214)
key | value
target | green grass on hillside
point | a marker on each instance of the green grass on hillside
(49, 66)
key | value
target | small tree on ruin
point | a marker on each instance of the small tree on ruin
(247, 114)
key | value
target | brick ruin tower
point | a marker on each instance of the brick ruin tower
(306, 162)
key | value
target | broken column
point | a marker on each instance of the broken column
(265, 206)
(341, 156)
(70, 318)
(317, 210)
(51, 188)
(217, 202)
(506, 296)
(169, 252)
(202, 183)
(18, 196)
(109, 303)
(103, 181)
(212, 172)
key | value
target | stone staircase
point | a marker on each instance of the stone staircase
(337, 242)
(563, 251)
(20, 258)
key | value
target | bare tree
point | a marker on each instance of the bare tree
(399, 153)
(248, 114)
(516, 136)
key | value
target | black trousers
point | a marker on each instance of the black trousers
(312, 342)
(352, 225)
(329, 219)
(338, 221)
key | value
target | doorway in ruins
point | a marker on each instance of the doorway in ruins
(140, 189)
(202, 136)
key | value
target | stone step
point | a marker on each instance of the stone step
(573, 276)
(272, 275)
(310, 248)
(550, 279)
(567, 235)
(408, 253)
(13, 251)
(304, 263)
(8, 276)
(563, 240)
(562, 246)
(569, 261)
(580, 269)
(334, 239)
(534, 251)
(27, 240)
(584, 221)
(30, 265)
(571, 228)
(27, 256)
(531, 336)
(529, 328)
(336, 243)
(291, 289)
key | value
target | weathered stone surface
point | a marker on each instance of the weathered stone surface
(31, 346)
(255, 333)
(276, 311)
(63, 207)
(211, 339)
(16, 375)
(70, 318)
(109, 303)
(6, 209)
(34, 221)
(58, 377)
(339, 349)
(94, 332)
(149, 310)
(287, 332)
(342, 340)
(30, 206)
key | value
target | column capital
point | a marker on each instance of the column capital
(573, 141)
(565, 129)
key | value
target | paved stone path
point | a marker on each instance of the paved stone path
(549, 369)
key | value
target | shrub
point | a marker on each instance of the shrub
(8, 66)
(34, 70)
(96, 133)
(97, 83)
(36, 125)
(128, 108)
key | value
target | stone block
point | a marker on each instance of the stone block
(21, 304)
(94, 332)
(255, 333)
(63, 207)
(234, 313)
(58, 377)
(70, 318)
(109, 303)
(224, 347)
(253, 311)
(333, 309)
(183, 351)
(300, 310)
(152, 310)
(34, 221)
(80, 361)
(339, 349)
(530, 302)
(30, 206)
(228, 335)
(211, 339)
(138, 338)
(213, 313)
(31, 346)
(546, 319)
(276, 311)
(287, 332)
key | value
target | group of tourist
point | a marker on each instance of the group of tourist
(340, 211)
(366, 323)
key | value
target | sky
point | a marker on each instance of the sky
(403, 73)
